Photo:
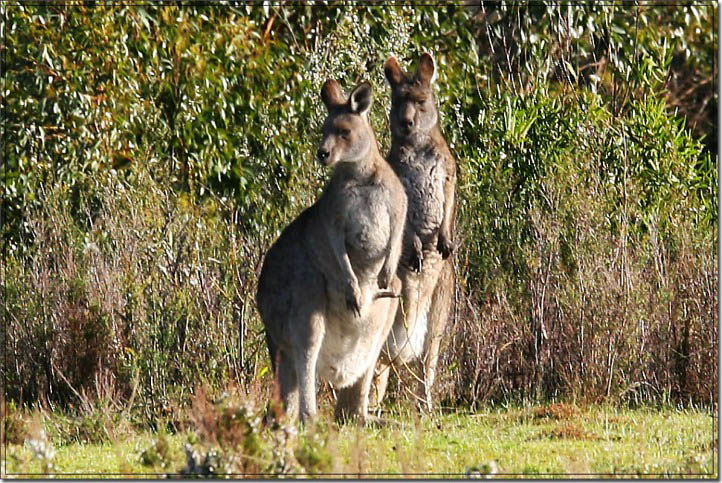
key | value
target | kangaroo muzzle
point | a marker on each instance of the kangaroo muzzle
(322, 155)
(325, 154)
(407, 118)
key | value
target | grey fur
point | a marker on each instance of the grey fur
(326, 289)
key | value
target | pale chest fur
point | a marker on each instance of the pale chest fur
(346, 353)
(422, 172)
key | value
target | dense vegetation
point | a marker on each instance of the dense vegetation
(152, 154)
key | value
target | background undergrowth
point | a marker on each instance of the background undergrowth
(153, 153)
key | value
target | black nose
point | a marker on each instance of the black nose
(408, 123)
(322, 154)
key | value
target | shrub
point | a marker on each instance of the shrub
(154, 152)
(576, 248)
(151, 297)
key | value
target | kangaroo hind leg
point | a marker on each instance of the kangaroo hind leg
(439, 313)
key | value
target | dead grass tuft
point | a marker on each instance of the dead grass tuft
(570, 430)
(556, 411)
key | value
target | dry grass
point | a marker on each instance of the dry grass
(558, 411)
(570, 430)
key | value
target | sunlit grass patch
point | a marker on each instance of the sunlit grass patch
(599, 441)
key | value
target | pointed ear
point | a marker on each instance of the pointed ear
(361, 98)
(332, 95)
(393, 71)
(426, 71)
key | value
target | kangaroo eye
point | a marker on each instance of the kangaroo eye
(344, 133)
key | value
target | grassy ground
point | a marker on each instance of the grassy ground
(554, 441)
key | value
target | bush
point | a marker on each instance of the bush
(13, 424)
(155, 152)
(576, 245)
(147, 303)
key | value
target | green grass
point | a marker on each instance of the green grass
(544, 441)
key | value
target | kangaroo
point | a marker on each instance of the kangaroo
(423, 161)
(328, 290)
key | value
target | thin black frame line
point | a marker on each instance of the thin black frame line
(353, 3)
(375, 473)
(341, 3)
(5, 325)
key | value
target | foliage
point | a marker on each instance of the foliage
(13, 423)
(157, 454)
(585, 227)
(154, 152)
(313, 454)
(144, 305)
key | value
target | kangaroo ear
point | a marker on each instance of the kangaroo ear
(393, 71)
(361, 98)
(426, 71)
(332, 95)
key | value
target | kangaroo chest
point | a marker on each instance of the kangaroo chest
(367, 226)
(422, 172)
(350, 344)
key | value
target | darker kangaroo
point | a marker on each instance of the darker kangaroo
(328, 289)
(422, 159)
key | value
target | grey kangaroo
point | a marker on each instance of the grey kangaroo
(422, 159)
(328, 290)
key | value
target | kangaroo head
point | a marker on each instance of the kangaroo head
(347, 134)
(413, 111)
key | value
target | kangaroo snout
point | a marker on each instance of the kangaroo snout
(407, 118)
(322, 155)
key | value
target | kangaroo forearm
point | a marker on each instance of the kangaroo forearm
(392, 260)
(449, 204)
(344, 263)
(394, 256)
